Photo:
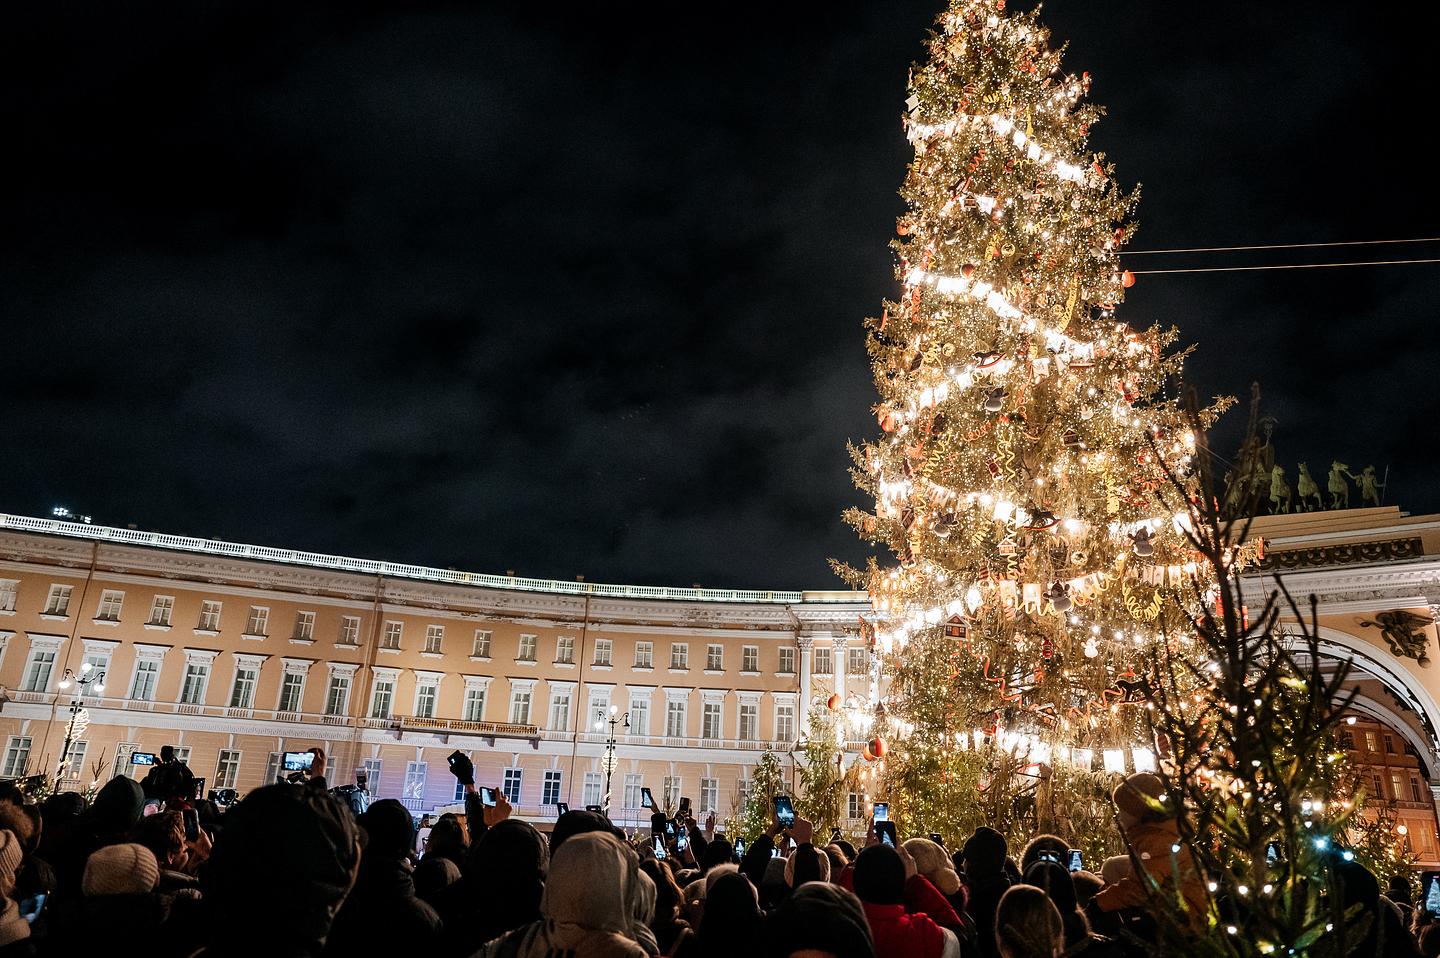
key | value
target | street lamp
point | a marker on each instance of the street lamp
(601, 717)
(89, 675)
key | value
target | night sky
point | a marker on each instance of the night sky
(581, 292)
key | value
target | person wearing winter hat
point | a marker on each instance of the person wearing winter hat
(935, 865)
(432, 876)
(731, 925)
(1148, 824)
(983, 863)
(819, 919)
(128, 869)
(1051, 848)
(500, 888)
(1028, 925)
(13, 928)
(381, 913)
(879, 879)
(119, 887)
(107, 821)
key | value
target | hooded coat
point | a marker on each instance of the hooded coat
(500, 889)
(381, 913)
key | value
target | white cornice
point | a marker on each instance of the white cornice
(1410, 583)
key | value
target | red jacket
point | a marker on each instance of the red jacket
(900, 935)
(921, 897)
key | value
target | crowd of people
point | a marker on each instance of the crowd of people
(293, 870)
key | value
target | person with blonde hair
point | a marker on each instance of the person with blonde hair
(1028, 925)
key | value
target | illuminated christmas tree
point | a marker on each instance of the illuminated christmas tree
(1015, 479)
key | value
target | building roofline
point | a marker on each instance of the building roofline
(318, 560)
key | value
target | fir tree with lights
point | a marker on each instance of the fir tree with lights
(1025, 431)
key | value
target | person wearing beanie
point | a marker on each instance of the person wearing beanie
(982, 860)
(107, 821)
(1149, 826)
(434, 875)
(806, 865)
(731, 926)
(879, 878)
(382, 913)
(14, 930)
(935, 866)
(500, 888)
(819, 919)
(1028, 925)
(119, 886)
(128, 869)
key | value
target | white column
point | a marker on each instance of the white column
(841, 666)
(804, 642)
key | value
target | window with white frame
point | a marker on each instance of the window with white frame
(714, 658)
(599, 709)
(784, 721)
(209, 616)
(75, 763)
(603, 649)
(709, 795)
(122, 767)
(679, 655)
(787, 661)
(631, 796)
(272, 769)
(670, 792)
(258, 622)
(58, 601)
(304, 626)
(550, 787)
(565, 650)
(414, 787)
(459, 794)
(162, 607)
(750, 658)
(110, 602)
(427, 689)
(227, 768)
(182, 753)
(9, 589)
(247, 676)
(675, 718)
(146, 678)
(394, 632)
(382, 694)
(337, 693)
(559, 709)
(349, 630)
(526, 651)
(639, 716)
(434, 639)
(372, 775)
(859, 657)
(749, 726)
(590, 793)
(710, 720)
(824, 661)
(644, 655)
(480, 648)
(510, 785)
(195, 681)
(520, 704)
(97, 656)
(38, 670)
(855, 806)
(17, 756)
(292, 689)
(743, 789)
(473, 709)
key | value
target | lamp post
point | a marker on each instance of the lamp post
(601, 717)
(89, 675)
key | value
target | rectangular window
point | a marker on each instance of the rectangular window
(709, 795)
(859, 660)
(824, 663)
(272, 769)
(382, 696)
(679, 656)
(474, 703)
(639, 717)
(192, 687)
(1397, 786)
(292, 688)
(414, 787)
(259, 621)
(209, 616)
(743, 788)
(372, 775)
(1379, 794)
(590, 794)
(337, 695)
(749, 722)
(644, 655)
(603, 648)
(785, 722)
(37, 671)
(559, 711)
(520, 706)
(394, 631)
(110, 602)
(161, 608)
(147, 674)
(527, 649)
(242, 696)
(227, 769)
(714, 658)
(630, 798)
(459, 793)
(58, 601)
(787, 662)
(17, 756)
(675, 718)
(855, 806)
(75, 764)
(304, 626)
(8, 590)
(710, 720)
(480, 648)
(750, 658)
(1416, 794)
(550, 788)
(1372, 744)
(434, 638)
(1389, 744)
(670, 792)
(425, 693)
(349, 630)
(511, 785)
(565, 650)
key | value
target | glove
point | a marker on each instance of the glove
(463, 769)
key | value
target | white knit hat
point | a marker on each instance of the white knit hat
(120, 870)
(11, 855)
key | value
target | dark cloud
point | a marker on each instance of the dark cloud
(579, 290)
